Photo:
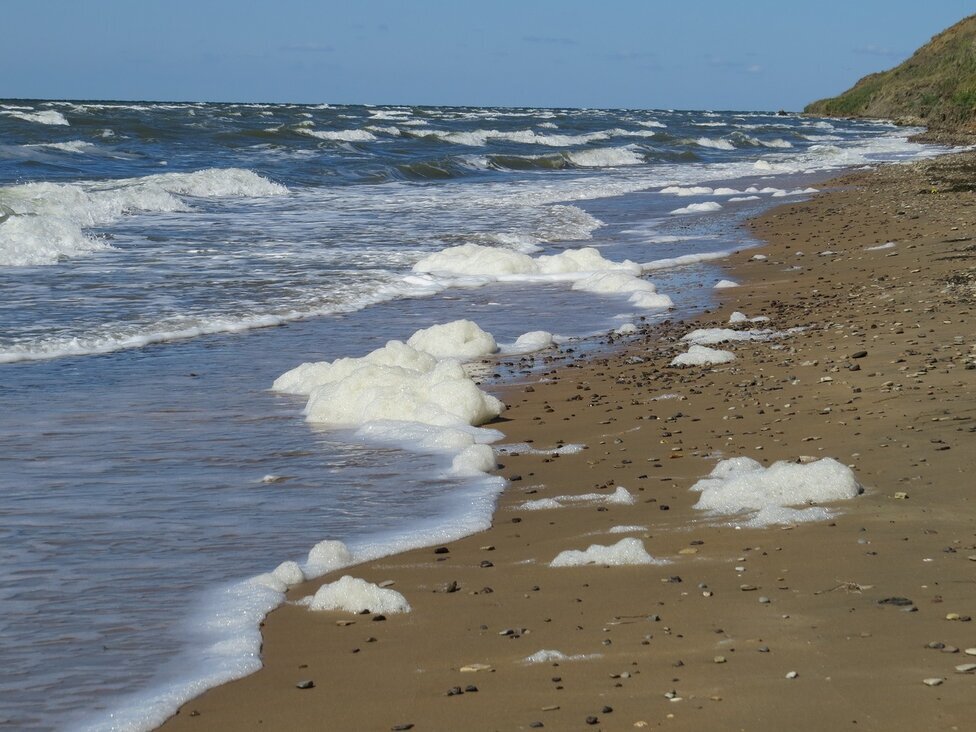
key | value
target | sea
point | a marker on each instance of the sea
(161, 264)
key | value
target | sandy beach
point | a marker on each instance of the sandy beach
(860, 621)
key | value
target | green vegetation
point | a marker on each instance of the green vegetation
(935, 87)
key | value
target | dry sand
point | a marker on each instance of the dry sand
(881, 379)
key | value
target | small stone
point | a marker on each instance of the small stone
(401, 727)
(592, 720)
(607, 710)
(719, 659)
(970, 651)
(952, 616)
(859, 354)
(305, 684)
(550, 708)
(764, 600)
(470, 688)
(934, 681)
(792, 675)
(474, 668)
(748, 588)
(536, 725)
(763, 649)
(896, 601)
(454, 691)
(442, 550)
(965, 668)
(900, 495)
(950, 649)
(935, 645)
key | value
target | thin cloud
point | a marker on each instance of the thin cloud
(551, 40)
(873, 50)
(308, 48)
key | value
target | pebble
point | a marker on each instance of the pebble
(970, 651)
(748, 588)
(592, 720)
(305, 684)
(536, 725)
(475, 667)
(792, 675)
(896, 601)
(764, 600)
(934, 681)
(401, 727)
(966, 668)
(719, 659)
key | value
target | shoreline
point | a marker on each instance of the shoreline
(657, 449)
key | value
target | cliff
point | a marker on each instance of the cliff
(936, 87)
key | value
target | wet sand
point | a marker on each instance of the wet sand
(881, 378)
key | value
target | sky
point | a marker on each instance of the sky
(650, 54)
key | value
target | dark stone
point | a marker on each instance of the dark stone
(442, 550)
(401, 727)
(607, 710)
(859, 354)
(592, 720)
(896, 601)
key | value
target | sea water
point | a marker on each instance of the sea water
(162, 265)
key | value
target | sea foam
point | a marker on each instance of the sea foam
(768, 495)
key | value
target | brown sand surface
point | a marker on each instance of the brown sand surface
(881, 378)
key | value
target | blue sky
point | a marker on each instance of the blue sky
(696, 54)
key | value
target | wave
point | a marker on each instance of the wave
(72, 146)
(44, 117)
(601, 157)
(340, 135)
(714, 144)
(479, 138)
(43, 222)
(35, 240)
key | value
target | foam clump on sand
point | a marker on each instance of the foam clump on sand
(416, 381)
(626, 529)
(586, 269)
(711, 336)
(625, 552)
(477, 260)
(304, 379)
(535, 340)
(705, 207)
(737, 317)
(724, 285)
(461, 339)
(552, 656)
(524, 448)
(620, 497)
(327, 556)
(443, 396)
(354, 595)
(626, 329)
(742, 485)
(642, 293)
(702, 356)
